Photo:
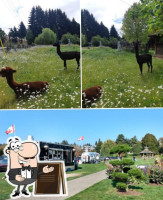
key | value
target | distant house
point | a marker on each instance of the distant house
(157, 43)
(146, 153)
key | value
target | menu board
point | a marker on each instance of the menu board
(53, 183)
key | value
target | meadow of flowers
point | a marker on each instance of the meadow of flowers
(42, 63)
(119, 76)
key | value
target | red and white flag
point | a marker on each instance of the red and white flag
(11, 129)
(81, 138)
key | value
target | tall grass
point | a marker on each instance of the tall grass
(119, 75)
(42, 63)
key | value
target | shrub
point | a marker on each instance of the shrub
(115, 162)
(46, 37)
(118, 176)
(73, 39)
(136, 176)
(156, 176)
(113, 43)
(84, 40)
(121, 187)
(127, 161)
(124, 162)
(135, 172)
(96, 40)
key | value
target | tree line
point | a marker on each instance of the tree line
(91, 28)
(55, 20)
(133, 145)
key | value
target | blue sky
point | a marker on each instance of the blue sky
(58, 125)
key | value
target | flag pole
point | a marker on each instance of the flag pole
(14, 130)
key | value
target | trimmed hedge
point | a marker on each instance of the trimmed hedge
(125, 161)
(118, 176)
(121, 187)
(137, 173)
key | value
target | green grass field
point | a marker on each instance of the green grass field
(105, 190)
(86, 169)
(119, 75)
(42, 63)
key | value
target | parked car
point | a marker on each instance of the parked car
(3, 165)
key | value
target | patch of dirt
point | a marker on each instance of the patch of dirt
(154, 184)
(73, 175)
(129, 192)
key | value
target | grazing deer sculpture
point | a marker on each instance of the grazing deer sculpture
(68, 55)
(141, 59)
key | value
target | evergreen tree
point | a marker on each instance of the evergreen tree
(90, 27)
(98, 146)
(113, 32)
(56, 20)
(2, 35)
(14, 32)
(22, 30)
(65, 142)
(120, 139)
(104, 32)
(30, 37)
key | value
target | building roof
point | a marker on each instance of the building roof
(146, 151)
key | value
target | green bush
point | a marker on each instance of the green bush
(116, 162)
(124, 162)
(113, 42)
(156, 176)
(74, 39)
(127, 161)
(46, 37)
(118, 176)
(84, 40)
(96, 40)
(121, 187)
(137, 173)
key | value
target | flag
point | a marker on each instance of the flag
(81, 138)
(11, 129)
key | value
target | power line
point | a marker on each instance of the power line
(125, 2)
(9, 8)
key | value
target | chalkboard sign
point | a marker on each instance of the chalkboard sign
(53, 183)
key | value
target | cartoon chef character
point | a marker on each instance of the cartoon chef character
(22, 165)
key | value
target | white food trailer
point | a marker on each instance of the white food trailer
(90, 157)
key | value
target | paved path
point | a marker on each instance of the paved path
(77, 185)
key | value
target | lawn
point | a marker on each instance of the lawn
(119, 75)
(85, 169)
(44, 64)
(105, 190)
(140, 161)
(5, 188)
